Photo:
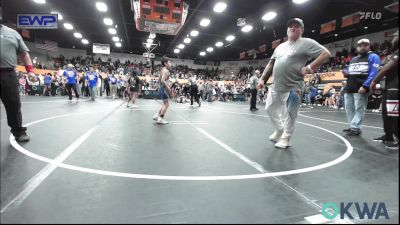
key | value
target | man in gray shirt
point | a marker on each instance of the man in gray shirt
(11, 44)
(253, 81)
(287, 66)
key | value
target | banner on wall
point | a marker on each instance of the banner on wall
(46, 45)
(329, 76)
(351, 19)
(328, 27)
(101, 48)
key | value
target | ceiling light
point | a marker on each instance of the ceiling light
(247, 28)
(269, 16)
(152, 35)
(365, 27)
(313, 31)
(176, 51)
(148, 45)
(78, 35)
(40, 1)
(210, 49)
(118, 44)
(112, 31)
(187, 40)
(230, 38)
(205, 22)
(181, 46)
(115, 38)
(60, 17)
(84, 41)
(68, 26)
(108, 21)
(336, 35)
(299, 1)
(219, 44)
(194, 33)
(101, 6)
(220, 7)
(202, 53)
(150, 40)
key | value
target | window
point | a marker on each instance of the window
(177, 4)
(166, 2)
(146, 11)
(177, 16)
(162, 10)
(159, 2)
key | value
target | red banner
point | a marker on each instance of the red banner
(351, 19)
(328, 27)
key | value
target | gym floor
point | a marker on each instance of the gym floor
(100, 162)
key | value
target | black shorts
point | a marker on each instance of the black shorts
(132, 89)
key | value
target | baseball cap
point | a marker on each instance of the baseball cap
(295, 20)
(363, 41)
(70, 65)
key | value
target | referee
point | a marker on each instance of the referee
(11, 45)
(253, 88)
(194, 90)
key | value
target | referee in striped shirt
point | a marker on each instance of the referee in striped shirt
(11, 44)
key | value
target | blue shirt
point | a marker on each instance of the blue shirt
(113, 80)
(47, 80)
(71, 76)
(362, 70)
(92, 77)
(314, 91)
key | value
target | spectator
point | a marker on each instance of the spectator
(358, 82)
(307, 94)
(313, 94)
(47, 84)
(113, 85)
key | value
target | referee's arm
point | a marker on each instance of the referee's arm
(26, 59)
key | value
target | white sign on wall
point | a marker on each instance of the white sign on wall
(101, 48)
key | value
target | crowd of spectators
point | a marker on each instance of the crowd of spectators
(209, 87)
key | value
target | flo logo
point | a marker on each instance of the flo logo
(375, 211)
(370, 15)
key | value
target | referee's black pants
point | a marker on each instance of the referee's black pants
(194, 93)
(9, 88)
(69, 87)
(390, 124)
(253, 98)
